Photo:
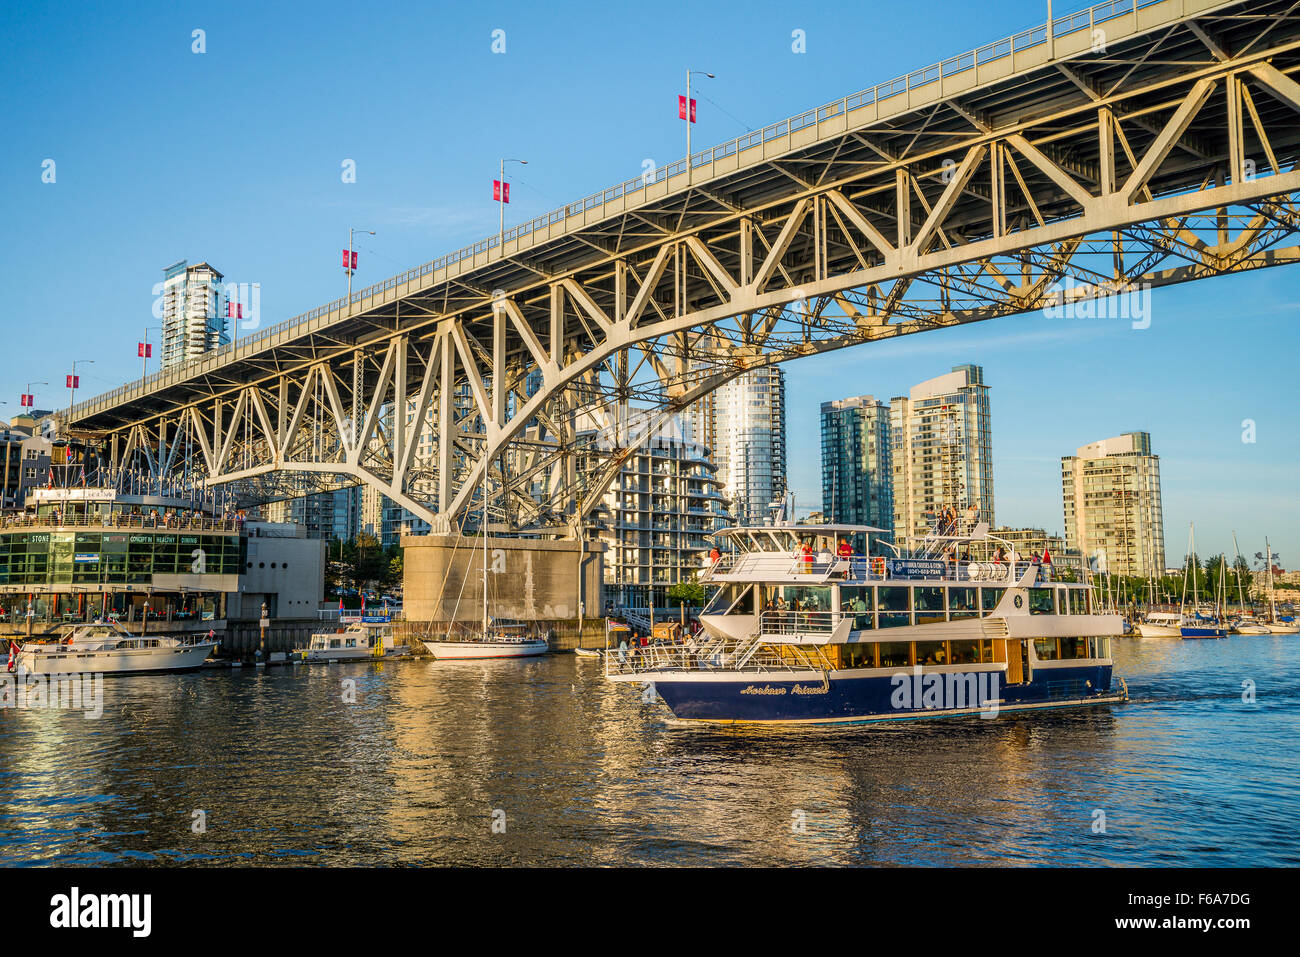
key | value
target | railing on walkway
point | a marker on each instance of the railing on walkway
(120, 521)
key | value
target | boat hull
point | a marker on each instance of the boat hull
(1283, 629)
(846, 697)
(1195, 632)
(1250, 630)
(1146, 630)
(128, 661)
(474, 650)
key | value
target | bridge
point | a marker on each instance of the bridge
(1133, 144)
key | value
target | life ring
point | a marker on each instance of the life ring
(878, 566)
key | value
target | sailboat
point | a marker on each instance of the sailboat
(496, 638)
(1196, 626)
(1246, 623)
(1274, 625)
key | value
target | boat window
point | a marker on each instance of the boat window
(893, 603)
(860, 655)
(965, 651)
(989, 597)
(961, 603)
(1073, 647)
(1041, 601)
(727, 596)
(1077, 605)
(351, 643)
(858, 602)
(809, 597)
(929, 605)
(334, 643)
(895, 654)
(1045, 649)
(932, 652)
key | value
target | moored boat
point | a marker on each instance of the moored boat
(857, 639)
(498, 640)
(1160, 625)
(109, 648)
(360, 639)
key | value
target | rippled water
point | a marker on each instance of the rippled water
(585, 773)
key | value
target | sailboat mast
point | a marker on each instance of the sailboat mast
(485, 553)
(1268, 563)
(1236, 551)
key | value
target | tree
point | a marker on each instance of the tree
(687, 593)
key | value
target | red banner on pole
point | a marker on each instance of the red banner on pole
(500, 191)
(26, 400)
(74, 381)
(682, 110)
(144, 350)
(349, 259)
(234, 310)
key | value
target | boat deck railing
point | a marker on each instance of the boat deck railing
(779, 566)
(749, 655)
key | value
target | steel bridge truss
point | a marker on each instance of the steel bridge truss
(1140, 171)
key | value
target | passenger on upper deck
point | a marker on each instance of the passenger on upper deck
(806, 555)
(714, 555)
(845, 550)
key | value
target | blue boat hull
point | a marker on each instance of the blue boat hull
(848, 698)
(1195, 632)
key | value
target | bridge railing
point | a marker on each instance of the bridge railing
(1085, 19)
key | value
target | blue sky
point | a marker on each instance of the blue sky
(234, 156)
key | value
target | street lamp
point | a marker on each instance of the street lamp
(688, 117)
(72, 385)
(144, 349)
(23, 401)
(351, 230)
(501, 198)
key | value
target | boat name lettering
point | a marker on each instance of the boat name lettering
(765, 689)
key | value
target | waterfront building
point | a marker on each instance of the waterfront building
(25, 457)
(193, 312)
(1110, 493)
(327, 515)
(856, 473)
(80, 553)
(941, 452)
(743, 423)
(660, 515)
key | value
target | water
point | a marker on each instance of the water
(582, 772)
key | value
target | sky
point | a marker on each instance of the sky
(234, 156)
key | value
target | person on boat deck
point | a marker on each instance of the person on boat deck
(1035, 558)
(845, 550)
(806, 553)
(714, 555)
(824, 556)
(1000, 556)
(622, 650)
(972, 516)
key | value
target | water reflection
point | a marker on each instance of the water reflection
(584, 772)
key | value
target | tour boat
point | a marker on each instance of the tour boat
(839, 640)
(360, 639)
(109, 648)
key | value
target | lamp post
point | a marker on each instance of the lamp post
(72, 386)
(29, 392)
(144, 351)
(352, 230)
(688, 117)
(501, 199)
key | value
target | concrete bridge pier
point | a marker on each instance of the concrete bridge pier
(529, 579)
